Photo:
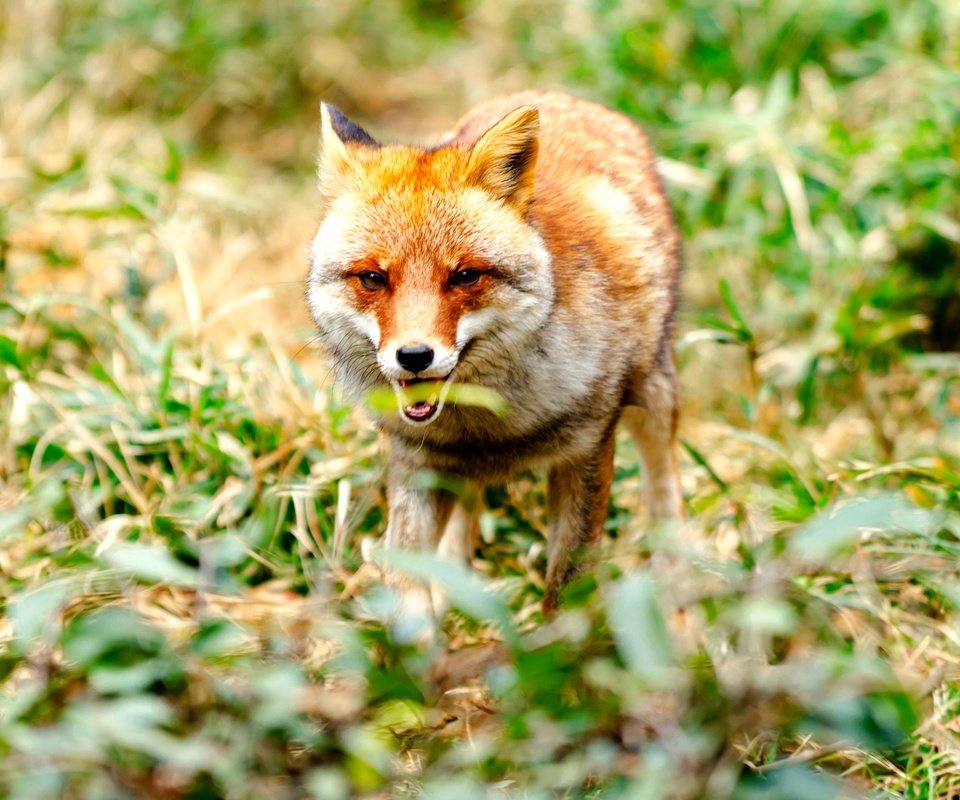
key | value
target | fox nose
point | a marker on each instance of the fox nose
(415, 357)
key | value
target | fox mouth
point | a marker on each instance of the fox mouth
(421, 399)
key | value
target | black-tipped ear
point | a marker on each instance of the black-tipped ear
(338, 159)
(503, 161)
(347, 130)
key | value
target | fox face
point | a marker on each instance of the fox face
(425, 269)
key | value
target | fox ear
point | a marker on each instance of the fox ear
(503, 159)
(337, 136)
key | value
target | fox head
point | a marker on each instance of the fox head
(426, 269)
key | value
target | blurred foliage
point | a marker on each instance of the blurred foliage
(186, 610)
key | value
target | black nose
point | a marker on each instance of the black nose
(415, 357)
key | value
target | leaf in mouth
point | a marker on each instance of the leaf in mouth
(383, 399)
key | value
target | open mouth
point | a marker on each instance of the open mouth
(421, 398)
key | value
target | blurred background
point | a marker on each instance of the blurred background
(810, 148)
(182, 499)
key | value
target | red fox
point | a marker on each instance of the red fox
(533, 252)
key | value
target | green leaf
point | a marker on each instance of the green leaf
(152, 563)
(765, 616)
(163, 388)
(220, 637)
(138, 198)
(110, 637)
(130, 679)
(384, 400)
(327, 783)
(463, 587)
(8, 352)
(639, 628)
(14, 519)
(279, 689)
(370, 757)
(36, 614)
(701, 459)
(742, 329)
(794, 782)
(879, 720)
(174, 166)
(838, 529)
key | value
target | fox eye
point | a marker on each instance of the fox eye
(465, 277)
(372, 280)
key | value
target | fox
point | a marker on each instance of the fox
(531, 251)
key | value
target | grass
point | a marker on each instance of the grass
(185, 502)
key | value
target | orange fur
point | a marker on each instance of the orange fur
(553, 207)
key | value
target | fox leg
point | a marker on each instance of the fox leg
(416, 516)
(578, 492)
(457, 542)
(652, 421)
